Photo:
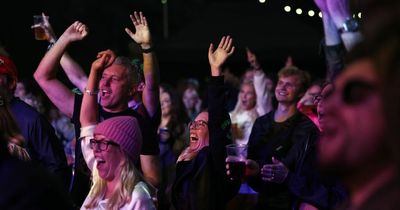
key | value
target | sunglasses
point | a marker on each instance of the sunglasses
(101, 145)
(354, 92)
(197, 124)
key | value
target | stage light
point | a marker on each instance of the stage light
(320, 14)
(287, 8)
(311, 13)
(359, 15)
(299, 11)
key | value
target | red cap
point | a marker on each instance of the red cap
(8, 67)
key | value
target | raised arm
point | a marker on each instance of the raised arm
(333, 47)
(142, 36)
(339, 11)
(74, 72)
(219, 123)
(331, 34)
(46, 72)
(72, 69)
(89, 109)
(260, 81)
(252, 59)
(150, 163)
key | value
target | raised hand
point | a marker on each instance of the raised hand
(51, 37)
(218, 57)
(321, 4)
(104, 59)
(275, 172)
(77, 31)
(142, 35)
(289, 61)
(252, 59)
(339, 10)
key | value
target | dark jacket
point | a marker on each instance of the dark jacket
(202, 184)
(294, 143)
(41, 141)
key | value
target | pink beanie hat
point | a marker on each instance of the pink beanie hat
(125, 131)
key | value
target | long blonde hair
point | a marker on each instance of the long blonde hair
(239, 109)
(130, 176)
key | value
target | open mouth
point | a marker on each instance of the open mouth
(100, 162)
(105, 92)
(193, 137)
(281, 93)
(321, 115)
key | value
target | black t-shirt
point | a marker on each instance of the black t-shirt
(149, 130)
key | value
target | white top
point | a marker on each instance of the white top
(245, 121)
(264, 97)
(140, 200)
(86, 134)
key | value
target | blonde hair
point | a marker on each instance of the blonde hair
(304, 77)
(239, 109)
(122, 194)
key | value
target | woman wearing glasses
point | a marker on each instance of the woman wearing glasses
(201, 182)
(111, 149)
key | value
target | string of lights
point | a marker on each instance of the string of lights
(309, 12)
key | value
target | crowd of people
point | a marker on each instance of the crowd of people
(124, 140)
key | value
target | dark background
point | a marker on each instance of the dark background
(182, 49)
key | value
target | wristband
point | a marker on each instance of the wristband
(50, 45)
(148, 50)
(92, 93)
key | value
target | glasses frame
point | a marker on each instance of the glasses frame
(197, 124)
(101, 145)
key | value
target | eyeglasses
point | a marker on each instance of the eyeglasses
(197, 124)
(354, 92)
(101, 145)
(317, 98)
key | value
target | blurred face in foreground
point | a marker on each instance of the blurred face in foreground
(353, 121)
